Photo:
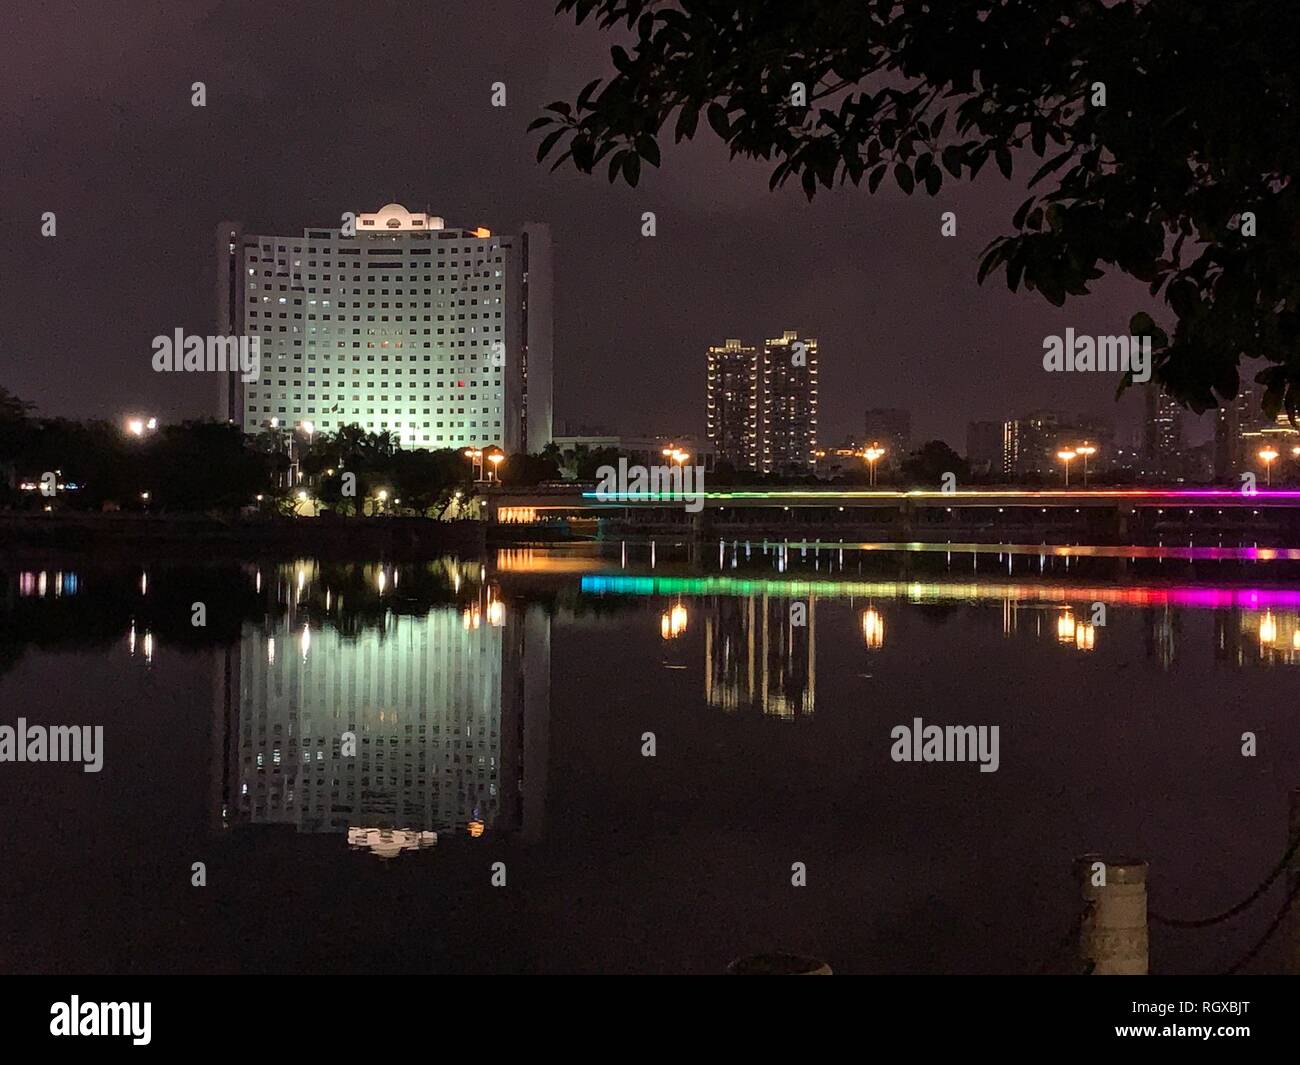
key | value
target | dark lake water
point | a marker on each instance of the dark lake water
(500, 709)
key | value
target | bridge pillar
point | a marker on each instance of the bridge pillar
(701, 524)
(907, 519)
(1122, 521)
(1293, 876)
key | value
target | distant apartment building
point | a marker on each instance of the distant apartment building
(1243, 430)
(1031, 444)
(645, 449)
(788, 408)
(441, 336)
(733, 403)
(984, 448)
(1162, 435)
(891, 428)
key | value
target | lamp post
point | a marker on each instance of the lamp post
(1086, 450)
(475, 456)
(496, 458)
(1065, 455)
(872, 455)
(1267, 455)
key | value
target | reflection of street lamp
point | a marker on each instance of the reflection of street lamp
(872, 455)
(496, 458)
(873, 629)
(1065, 627)
(1065, 456)
(673, 623)
(1086, 450)
(1267, 455)
(1267, 629)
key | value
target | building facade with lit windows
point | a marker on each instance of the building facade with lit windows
(441, 336)
(732, 403)
(788, 423)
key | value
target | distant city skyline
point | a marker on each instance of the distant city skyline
(871, 276)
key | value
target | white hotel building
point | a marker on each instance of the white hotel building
(441, 336)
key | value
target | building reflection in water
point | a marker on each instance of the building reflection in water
(392, 730)
(757, 655)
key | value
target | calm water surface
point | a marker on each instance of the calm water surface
(501, 708)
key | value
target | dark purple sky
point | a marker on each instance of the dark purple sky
(315, 108)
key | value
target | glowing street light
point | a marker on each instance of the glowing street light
(872, 455)
(1267, 456)
(496, 458)
(1065, 455)
(676, 454)
(1085, 450)
(475, 456)
(139, 426)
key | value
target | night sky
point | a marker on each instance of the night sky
(317, 108)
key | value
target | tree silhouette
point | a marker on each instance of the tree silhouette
(1160, 126)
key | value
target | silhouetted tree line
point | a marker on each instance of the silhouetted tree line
(205, 465)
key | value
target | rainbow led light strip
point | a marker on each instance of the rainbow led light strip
(1006, 494)
(1202, 597)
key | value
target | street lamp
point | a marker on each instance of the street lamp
(496, 458)
(1267, 455)
(1086, 450)
(1065, 456)
(475, 455)
(676, 454)
(872, 455)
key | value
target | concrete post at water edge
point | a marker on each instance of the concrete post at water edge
(1113, 935)
(778, 964)
(1292, 878)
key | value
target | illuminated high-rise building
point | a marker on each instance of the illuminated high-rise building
(788, 409)
(891, 428)
(733, 403)
(1162, 436)
(441, 336)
